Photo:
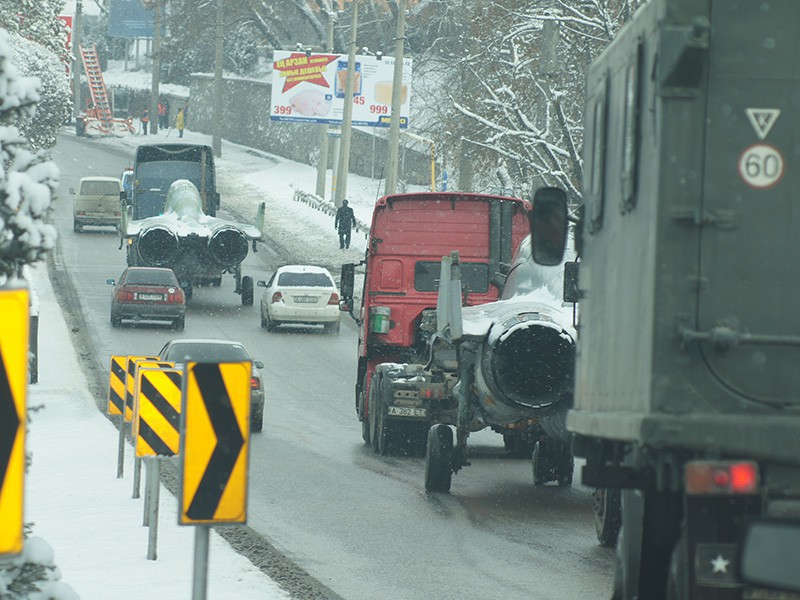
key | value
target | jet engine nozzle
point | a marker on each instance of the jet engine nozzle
(158, 246)
(228, 246)
(529, 365)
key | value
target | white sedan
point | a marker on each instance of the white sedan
(300, 294)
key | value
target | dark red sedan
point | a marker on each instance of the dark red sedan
(148, 294)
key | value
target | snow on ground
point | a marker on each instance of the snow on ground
(87, 515)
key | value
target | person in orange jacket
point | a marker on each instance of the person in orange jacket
(145, 119)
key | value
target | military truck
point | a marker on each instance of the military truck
(157, 166)
(687, 398)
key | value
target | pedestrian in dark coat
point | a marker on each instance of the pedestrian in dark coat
(345, 219)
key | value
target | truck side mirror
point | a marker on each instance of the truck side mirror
(347, 282)
(549, 225)
(571, 291)
(768, 555)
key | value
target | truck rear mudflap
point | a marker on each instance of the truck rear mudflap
(767, 437)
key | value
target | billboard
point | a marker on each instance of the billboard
(130, 19)
(310, 89)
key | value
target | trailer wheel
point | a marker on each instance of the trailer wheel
(247, 291)
(439, 459)
(540, 466)
(607, 516)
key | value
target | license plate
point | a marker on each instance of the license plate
(406, 411)
(150, 296)
(306, 299)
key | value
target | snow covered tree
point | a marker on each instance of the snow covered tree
(55, 102)
(514, 72)
(37, 20)
(27, 178)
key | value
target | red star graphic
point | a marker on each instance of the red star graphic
(299, 68)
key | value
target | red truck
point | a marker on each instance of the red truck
(410, 234)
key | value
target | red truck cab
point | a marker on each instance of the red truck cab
(410, 234)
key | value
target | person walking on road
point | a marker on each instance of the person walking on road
(180, 122)
(162, 114)
(145, 119)
(345, 219)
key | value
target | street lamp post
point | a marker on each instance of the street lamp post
(322, 165)
(397, 84)
(347, 117)
(156, 61)
(216, 139)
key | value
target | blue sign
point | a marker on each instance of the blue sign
(130, 19)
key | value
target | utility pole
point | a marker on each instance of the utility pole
(216, 138)
(397, 88)
(77, 63)
(322, 164)
(156, 62)
(347, 117)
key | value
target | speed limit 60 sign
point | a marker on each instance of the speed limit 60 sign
(761, 166)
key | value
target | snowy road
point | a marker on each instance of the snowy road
(360, 524)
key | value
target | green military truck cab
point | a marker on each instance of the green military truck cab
(687, 392)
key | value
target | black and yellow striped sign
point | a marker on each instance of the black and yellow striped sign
(14, 332)
(130, 382)
(215, 443)
(157, 422)
(116, 384)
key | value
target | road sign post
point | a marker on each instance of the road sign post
(214, 451)
(14, 333)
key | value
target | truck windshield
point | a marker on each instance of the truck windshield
(161, 174)
(474, 277)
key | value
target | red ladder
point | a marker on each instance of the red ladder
(97, 87)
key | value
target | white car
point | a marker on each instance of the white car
(300, 294)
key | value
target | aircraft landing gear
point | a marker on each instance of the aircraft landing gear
(552, 461)
(247, 291)
(439, 459)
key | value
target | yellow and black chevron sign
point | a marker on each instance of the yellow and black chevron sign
(14, 331)
(157, 422)
(130, 382)
(215, 444)
(116, 384)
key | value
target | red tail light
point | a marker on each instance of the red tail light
(722, 477)
(334, 299)
(124, 296)
(176, 297)
(255, 383)
(277, 297)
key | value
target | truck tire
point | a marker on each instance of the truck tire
(372, 410)
(385, 433)
(362, 416)
(607, 516)
(539, 462)
(439, 459)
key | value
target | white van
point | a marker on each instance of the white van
(97, 202)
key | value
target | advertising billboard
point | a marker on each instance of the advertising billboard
(311, 89)
(130, 19)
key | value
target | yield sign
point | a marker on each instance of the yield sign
(14, 324)
(214, 442)
(762, 120)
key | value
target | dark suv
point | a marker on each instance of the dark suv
(206, 350)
